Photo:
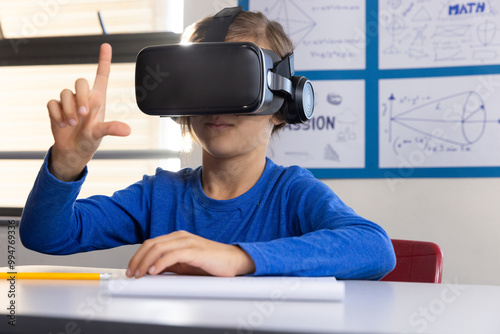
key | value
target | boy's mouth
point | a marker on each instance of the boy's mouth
(218, 123)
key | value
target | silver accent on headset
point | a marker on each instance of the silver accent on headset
(276, 82)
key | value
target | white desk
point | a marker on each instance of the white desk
(369, 307)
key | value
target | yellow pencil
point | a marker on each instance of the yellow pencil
(61, 276)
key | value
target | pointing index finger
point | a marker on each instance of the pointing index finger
(103, 68)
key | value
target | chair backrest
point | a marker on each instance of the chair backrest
(416, 261)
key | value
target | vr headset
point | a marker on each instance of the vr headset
(216, 77)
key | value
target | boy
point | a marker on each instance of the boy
(237, 214)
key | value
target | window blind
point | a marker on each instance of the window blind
(25, 91)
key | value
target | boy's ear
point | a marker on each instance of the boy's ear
(277, 119)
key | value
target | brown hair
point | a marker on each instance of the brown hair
(246, 26)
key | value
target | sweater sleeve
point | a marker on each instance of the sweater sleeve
(55, 222)
(333, 240)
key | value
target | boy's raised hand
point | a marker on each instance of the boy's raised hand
(77, 122)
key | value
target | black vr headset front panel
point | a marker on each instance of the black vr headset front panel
(201, 78)
(217, 77)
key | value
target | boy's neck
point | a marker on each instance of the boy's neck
(227, 178)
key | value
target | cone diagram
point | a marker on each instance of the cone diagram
(458, 119)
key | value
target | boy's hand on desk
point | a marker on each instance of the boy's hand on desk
(184, 253)
(77, 122)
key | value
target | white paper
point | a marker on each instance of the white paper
(439, 122)
(415, 34)
(241, 287)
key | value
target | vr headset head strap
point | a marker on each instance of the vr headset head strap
(219, 26)
(285, 67)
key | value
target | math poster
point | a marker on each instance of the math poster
(440, 122)
(400, 85)
(334, 137)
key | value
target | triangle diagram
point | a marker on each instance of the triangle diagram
(294, 20)
(422, 15)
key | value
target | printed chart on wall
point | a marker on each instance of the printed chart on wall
(400, 85)
(440, 122)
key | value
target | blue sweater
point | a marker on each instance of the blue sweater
(289, 222)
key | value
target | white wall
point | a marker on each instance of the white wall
(460, 215)
(197, 9)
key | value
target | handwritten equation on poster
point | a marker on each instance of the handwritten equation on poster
(415, 34)
(327, 34)
(439, 122)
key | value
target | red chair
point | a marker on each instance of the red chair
(416, 261)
